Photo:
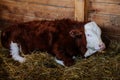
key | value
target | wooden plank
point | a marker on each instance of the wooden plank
(110, 24)
(18, 18)
(51, 12)
(23, 18)
(106, 1)
(104, 8)
(15, 2)
(79, 10)
(86, 10)
(39, 11)
(13, 7)
(57, 3)
(35, 10)
(61, 3)
(102, 20)
(12, 17)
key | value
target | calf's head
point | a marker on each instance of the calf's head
(93, 37)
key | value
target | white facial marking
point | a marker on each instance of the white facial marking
(89, 52)
(59, 62)
(14, 50)
(93, 37)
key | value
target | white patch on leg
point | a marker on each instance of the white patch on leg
(14, 50)
(73, 57)
(59, 62)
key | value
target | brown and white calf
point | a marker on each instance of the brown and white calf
(64, 39)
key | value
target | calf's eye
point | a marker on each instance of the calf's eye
(88, 34)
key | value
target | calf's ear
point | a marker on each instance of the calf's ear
(75, 33)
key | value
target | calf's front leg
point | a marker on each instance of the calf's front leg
(61, 58)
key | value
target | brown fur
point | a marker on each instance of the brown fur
(61, 38)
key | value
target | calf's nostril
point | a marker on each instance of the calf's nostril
(100, 45)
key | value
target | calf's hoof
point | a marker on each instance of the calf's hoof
(19, 59)
(59, 62)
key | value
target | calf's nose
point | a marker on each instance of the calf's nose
(102, 46)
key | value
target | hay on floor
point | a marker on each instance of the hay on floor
(41, 66)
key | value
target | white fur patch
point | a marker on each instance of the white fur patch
(93, 38)
(59, 62)
(74, 57)
(89, 52)
(93, 26)
(14, 50)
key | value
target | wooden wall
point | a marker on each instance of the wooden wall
(107, 14)
(26, 10)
